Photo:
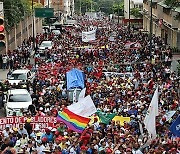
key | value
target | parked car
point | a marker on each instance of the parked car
(21, 76)
(56, 32)
(16, 99)
(45, 45)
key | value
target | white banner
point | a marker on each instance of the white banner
(85, 107)
(89, 36)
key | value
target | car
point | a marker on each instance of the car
(45, 45)
(56, 32)
(16, 99)
(21, 75)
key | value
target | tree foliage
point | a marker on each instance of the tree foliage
(106, 6)
(17, 10)
(172, 3)
(135, 12)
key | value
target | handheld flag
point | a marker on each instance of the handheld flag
(150, 118)
(175, 127)
(73, 121)
(105, 118)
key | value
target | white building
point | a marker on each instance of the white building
(133, 4)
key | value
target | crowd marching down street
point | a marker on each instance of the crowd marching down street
(129, 103)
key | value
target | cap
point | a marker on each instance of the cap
(28, 120)
(7, 126)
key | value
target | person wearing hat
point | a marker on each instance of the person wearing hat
(48, 134)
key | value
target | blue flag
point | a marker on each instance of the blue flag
(175, 127)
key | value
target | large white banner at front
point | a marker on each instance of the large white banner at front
(89, 36)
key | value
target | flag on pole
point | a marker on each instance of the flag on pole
(74, 95)
(150, 118)
(82, 94)
(175, 127)
(73, 121)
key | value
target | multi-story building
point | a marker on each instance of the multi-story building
(133, 4)
(63, 8)
(166, 21)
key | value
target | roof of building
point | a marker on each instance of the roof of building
(163, 4)
(154, 1)
(137, 1)
(177, 9)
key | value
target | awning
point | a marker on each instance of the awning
(164, 5)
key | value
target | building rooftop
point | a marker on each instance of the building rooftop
(137, 1)
(177, 9)
(163, 4)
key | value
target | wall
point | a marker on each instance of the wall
(20, 32)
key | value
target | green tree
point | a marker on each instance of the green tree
(118, 8)
(17, 10)
(135, 12)
(172, 3)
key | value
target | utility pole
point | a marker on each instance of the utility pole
(91, 6)
(33, 24)
(80, 7)
(49, 18)
(151, 26)
(129, 15)
(59, 11)
(118, 13)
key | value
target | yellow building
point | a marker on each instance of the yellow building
(166, 21)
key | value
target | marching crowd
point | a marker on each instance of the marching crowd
(128, 95)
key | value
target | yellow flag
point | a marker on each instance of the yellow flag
(121, 119)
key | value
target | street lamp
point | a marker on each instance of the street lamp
(129, 15)
(33, 24)
(151, 26)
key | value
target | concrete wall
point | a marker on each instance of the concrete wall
(20, 32)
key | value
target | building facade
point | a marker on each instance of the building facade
(63, 8)
(133, 4)
(166, 21)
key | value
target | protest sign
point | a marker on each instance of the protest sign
(13, 122)
(89, 36)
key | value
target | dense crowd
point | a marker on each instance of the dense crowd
(128, 96)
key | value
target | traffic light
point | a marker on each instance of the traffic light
(2, 33)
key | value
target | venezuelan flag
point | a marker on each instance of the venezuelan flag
(73, 121)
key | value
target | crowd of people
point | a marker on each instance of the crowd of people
(127, 96)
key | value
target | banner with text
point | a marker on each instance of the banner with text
(89, 36)
(13, 122)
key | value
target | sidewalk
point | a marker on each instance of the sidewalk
(3, 74)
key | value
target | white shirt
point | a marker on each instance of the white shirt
(40, 149)
(137, 151)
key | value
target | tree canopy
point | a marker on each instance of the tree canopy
(16, 10)
(106, 6)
